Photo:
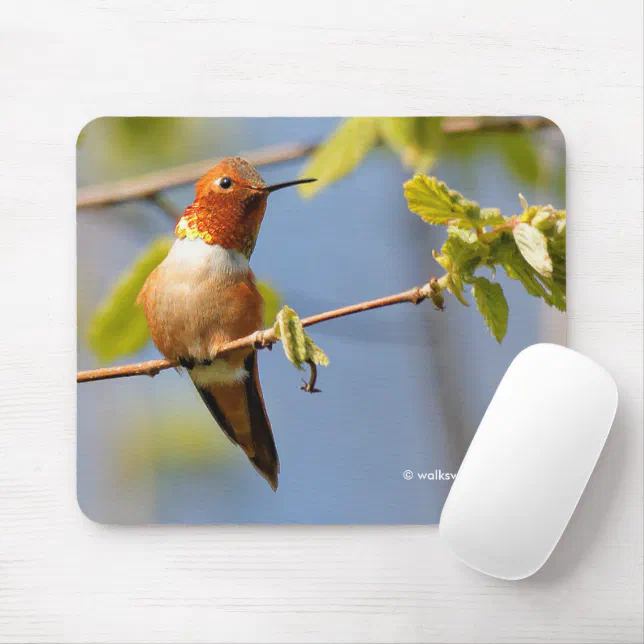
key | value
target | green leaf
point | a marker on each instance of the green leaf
(534, 247)
(460, 255)
(557, 249)
(435, 203)
(467, 236)
(560, 226)
(298, 346)
(455, 287)
(464, 254)
(131, 145)
(118, 327)
(520, 155)
(416, 139)
(551, 290)
(397, 132)
(557, 245)
(506, 253)
(557, 294)
(492, 305)
(544, 219)
(340, 154)
(491, 217)
(533, 253)
(272, 302)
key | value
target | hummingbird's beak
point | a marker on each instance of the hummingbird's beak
(279, 186)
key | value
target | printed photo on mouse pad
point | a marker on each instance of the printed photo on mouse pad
(302, 320)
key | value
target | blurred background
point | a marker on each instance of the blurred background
(407, 386)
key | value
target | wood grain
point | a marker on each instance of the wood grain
(66, 579)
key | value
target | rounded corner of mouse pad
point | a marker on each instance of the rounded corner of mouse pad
(394, 265)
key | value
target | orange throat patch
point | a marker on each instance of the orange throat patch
(193, 224)
(230, 228)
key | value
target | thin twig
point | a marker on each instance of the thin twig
(468, 124)
(149, 184)
(266, 337)
(149, 368)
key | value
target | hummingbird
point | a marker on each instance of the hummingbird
(204, 294)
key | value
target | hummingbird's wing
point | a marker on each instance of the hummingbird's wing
(239, 410)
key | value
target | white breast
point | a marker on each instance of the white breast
(192, 255)
(190, 262)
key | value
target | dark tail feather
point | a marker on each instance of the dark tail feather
(249, 428)
(266, 460)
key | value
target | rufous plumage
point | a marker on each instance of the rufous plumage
(204, 294)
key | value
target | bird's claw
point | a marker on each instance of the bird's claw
(187, 363)
(261, 342)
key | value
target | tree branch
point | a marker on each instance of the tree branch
(147, 185)
(267, 337)
(468, 124)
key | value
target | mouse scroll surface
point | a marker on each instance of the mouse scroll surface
(529, 461)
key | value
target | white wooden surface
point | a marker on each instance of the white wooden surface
(65, 579)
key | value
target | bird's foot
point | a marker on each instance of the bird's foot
(187, 363)
(260, 341)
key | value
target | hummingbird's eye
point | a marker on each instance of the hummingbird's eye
(225, 183)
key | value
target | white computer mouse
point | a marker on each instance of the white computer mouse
(529, 461)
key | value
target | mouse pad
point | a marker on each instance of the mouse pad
(302, 320)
